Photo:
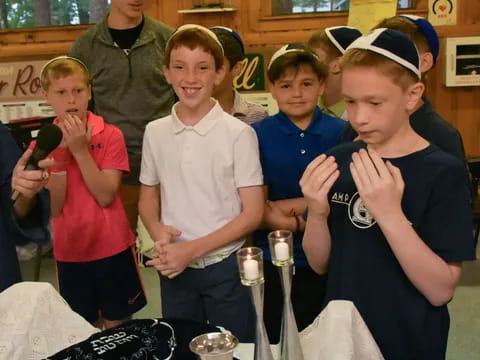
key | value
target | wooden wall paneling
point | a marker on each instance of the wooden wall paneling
(165, 11)
(37, 43)
(253, 21)
(468, 12)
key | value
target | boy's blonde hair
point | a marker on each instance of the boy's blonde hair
(334, 40)
(319, 39)
(61, 67)
(193, 37)
(408, 28)
(399, 75)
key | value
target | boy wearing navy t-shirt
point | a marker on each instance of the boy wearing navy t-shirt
(389, 216)
(288, 141)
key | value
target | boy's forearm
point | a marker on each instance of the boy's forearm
(317, 243)
(292, 206)
(248, 220)
(102, 187)
(149, 207)
(22, 206)
(430, 274)
(285, 214)
(239, 227)
(57, 185)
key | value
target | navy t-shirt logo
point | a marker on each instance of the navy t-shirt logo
(358, 213)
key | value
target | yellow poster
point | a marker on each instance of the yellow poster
(365, 14)
(442, 12)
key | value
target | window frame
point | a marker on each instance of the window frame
(262, 20)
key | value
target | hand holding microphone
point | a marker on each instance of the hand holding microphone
(28, 175)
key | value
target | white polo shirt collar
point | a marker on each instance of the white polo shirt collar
(204, 125)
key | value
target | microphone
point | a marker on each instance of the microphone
(49, 137)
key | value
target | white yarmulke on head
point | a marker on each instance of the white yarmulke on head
(58, 58)
(392, 44)
(285, 50)
(197, 27)
(63, 57)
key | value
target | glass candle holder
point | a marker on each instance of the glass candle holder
(280, 243)
(250, 265)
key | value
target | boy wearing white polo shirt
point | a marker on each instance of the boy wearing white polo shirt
(201, 190)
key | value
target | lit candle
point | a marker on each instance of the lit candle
(282, 252)
(250, 269)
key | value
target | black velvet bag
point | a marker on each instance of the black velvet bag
(155, 339)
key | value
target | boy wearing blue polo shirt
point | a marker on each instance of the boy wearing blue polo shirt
(389, 216)
(201, 190)
(288, 141)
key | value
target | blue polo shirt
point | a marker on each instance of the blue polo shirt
(285, 152)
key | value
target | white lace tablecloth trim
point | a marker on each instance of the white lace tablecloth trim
(36, 322)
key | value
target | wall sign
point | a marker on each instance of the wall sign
(252, 76)
(442, 12)
(20, 91)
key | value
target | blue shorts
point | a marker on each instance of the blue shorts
(109, 287)
(214, 295)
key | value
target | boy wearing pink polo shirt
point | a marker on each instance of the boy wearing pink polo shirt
(97, 272)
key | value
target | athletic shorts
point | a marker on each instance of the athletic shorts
(109, 287)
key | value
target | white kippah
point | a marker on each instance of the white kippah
(392, 44)
(198, 27)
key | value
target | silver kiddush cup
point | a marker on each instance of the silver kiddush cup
(214, 346)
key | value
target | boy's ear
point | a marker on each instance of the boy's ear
(220, 75)
(322, 87)
(271, 90)
(237, 68)
(89, 92)
(166, 73)
(414, 94)
(426, 62)
(334, 67)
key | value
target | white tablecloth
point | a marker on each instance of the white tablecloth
(338, 333)
(35, 322)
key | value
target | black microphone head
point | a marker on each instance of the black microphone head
(49, 137)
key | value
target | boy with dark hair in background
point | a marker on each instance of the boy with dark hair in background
(228, 97)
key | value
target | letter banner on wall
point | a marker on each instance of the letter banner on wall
(20, 91)
(252, 75)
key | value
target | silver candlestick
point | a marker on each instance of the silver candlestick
(250, 264)
(281, 250)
